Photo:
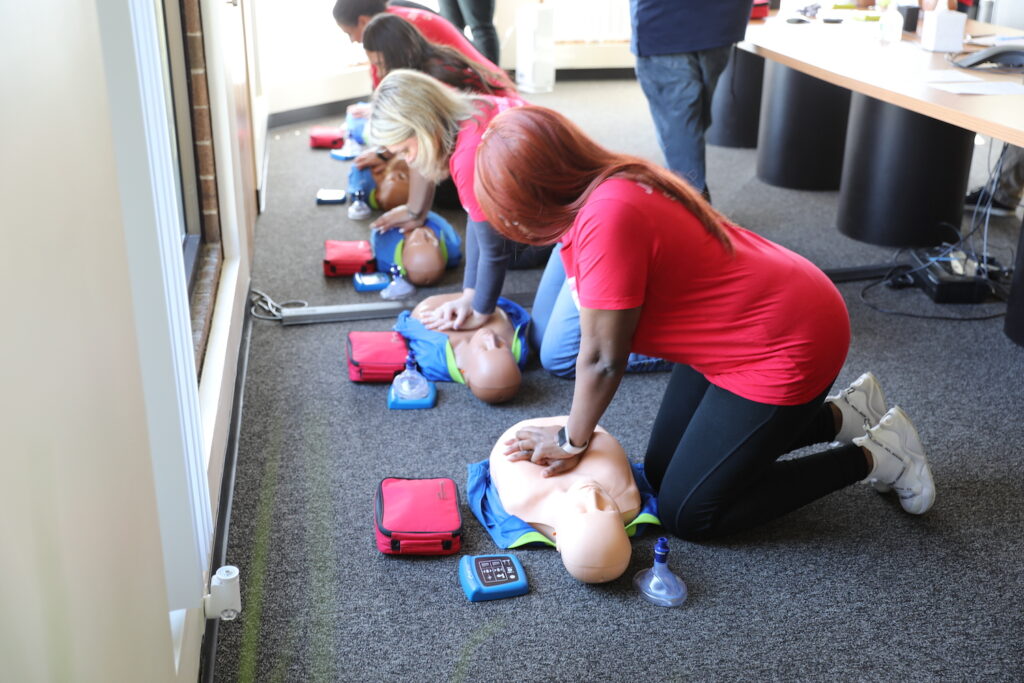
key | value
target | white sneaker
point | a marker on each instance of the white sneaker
(861, 404)
(900, 462)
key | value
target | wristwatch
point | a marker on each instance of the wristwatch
(567, 446)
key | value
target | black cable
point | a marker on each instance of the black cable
(922, 316)
(901, 276)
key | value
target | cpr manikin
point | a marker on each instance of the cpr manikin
(392, 181)
(584, 511)
(422, 259)
(422, 256)
(484, 355)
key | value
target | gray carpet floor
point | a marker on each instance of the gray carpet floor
(847, 588)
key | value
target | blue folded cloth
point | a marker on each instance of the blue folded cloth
(508, 531)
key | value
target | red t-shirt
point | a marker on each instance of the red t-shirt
(436, 29)
(463, 160)
(764, 323)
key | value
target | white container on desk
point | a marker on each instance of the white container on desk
(943, 30)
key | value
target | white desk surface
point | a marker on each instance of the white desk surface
(851, 56)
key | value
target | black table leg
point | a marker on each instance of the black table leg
(1014, 325)
(904, 176)
(802, 130)
(736, 105)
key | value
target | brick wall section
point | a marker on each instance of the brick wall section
(204, 290)
(202, 136)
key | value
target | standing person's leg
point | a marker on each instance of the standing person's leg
(712, 64)
(1010, 189)
(674, 89)
(479, 15)
(451, 11)
(679, 90)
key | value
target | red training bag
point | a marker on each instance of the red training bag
(418, 517)
(330, 137)
(348, 258)
(375, 356)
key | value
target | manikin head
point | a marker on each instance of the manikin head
(590, 536)
(484, 356)
(392, 181)
(488, 366)
(422, 258)
(584, 510)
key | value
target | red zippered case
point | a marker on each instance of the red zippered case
(375, 356)
(417, 516)
(348, 257)
(331, 137)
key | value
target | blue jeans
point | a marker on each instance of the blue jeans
(679, 88)
(556, 326)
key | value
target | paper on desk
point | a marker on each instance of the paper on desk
(989, 41)
(982, 88)
(948, 76)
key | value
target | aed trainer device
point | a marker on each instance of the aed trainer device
(491, 577)
(324, 196)
(370, 282)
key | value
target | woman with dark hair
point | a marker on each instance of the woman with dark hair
(352, 16)
(758, 335)
(392, 43)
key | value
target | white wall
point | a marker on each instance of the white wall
(303, 55)
(82, 589)
(303, 52)
(1009, 13)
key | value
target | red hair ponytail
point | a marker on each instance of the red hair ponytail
(535, 169)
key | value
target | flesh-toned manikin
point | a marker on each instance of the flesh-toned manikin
(584, 511)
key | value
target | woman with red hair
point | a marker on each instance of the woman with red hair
(758, 335)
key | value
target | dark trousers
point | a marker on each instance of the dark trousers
(479, 15)
(713, 458)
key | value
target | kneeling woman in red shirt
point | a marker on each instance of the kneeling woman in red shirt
(758, 334)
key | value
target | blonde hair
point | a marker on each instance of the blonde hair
(409, 103)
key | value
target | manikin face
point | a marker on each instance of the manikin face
(590, 536)
(421, 257)
(392, 184)
(489, 368)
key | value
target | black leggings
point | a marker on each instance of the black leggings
(713, 458)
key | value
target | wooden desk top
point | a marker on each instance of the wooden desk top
(850, 55)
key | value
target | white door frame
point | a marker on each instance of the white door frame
(151, 207)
